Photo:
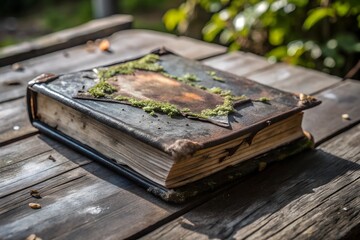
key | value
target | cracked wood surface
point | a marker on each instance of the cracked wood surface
(82, 199)
(313, 196)
(125, 44)
(94, 29)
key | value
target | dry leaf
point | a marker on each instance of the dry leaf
(104, 45)
(17, 67)
(31, 237)
(35, 205)
(345, 116)
(35, 193)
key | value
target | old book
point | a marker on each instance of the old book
(166, 121)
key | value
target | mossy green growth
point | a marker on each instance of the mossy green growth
(215, 90)
(214, 76)
(190, 77)
(187, 78)
(151, 106)
(150, 63)
(147, 63)
(220, 110)
(101, 89)
(263, 99)
(220, 91)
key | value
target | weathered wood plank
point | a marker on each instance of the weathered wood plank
(293, 78)
(30, 163)
(94, 29)
(124, 45)
(281, 76)
(238, 63)
(311, 196)
(14, 121)
(80, 198)
(326, 120)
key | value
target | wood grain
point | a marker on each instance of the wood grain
(326, 120)
(293, 78)
(280, 75)
(238, 63)
(14, 121)
(312, 196)
(94, 29)
(80, 199)
(124, 45)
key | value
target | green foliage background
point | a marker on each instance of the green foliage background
(321, 34)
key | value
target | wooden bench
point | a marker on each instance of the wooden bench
(312, 195)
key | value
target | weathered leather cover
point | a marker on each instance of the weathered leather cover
(162, 131)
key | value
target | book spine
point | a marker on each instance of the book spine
(31, 93)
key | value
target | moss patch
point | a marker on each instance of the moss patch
(190, 77)
(150, 63)
(101, 89)
(263, 99)
(220, 110)
(151, 106)
(213, 75)
(147, 63)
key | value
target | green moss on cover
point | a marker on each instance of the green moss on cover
(190, 77)
(151, 106)
(101, 89)
(214, 76)
(147, 63)
(263, 99)
(220, 110)
(150, 63)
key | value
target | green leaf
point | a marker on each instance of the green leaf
(341, 8)
(234, 47)
(278, 52)
(210, 31)
(173, 17)
(316, 15)
(276, 36)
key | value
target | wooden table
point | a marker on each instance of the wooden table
(312, 195)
